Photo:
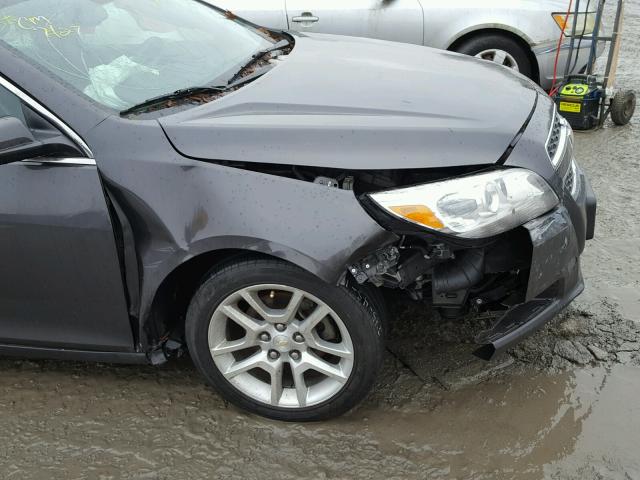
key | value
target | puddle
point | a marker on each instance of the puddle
(607, 447)
(573, 425)
(72, 421)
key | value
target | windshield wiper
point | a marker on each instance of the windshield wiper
(257, 56)
(233, 82)
(177, 95)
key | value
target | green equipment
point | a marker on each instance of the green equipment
(579, 102)
(586, 99)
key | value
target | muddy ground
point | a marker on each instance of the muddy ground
(563, 405)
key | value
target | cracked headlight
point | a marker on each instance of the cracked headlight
(476, 206)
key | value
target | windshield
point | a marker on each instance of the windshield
(122, 52)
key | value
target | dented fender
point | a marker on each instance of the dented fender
(179, 208)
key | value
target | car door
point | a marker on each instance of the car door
(60, 280)
(268, 13)
(396, 20)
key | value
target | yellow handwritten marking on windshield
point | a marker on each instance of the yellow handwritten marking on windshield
(8, 20)
(40, 24)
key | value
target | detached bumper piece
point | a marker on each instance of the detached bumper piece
(555, 280)
(522, 320)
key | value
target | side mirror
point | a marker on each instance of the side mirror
(16, 141)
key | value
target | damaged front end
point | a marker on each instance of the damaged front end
(508, 245)
(459, 252)
(489, 238)
(526, 275)
(503, 239)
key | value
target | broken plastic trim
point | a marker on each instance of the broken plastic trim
(521, 321)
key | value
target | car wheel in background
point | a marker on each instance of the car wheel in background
(277, 341)
(499, 49)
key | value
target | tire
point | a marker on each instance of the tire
(488, 42)
(353, 319)
(623, 107)
(375, 296)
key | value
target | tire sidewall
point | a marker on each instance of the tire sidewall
(617, 110)
(481, 43)
(356, 312)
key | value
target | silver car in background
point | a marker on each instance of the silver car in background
(520, 34)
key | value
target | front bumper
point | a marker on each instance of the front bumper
(545, 54)
(555, 278)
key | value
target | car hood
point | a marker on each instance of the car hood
(352, 103)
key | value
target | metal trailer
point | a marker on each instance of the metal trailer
(587, 99)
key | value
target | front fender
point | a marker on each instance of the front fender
(179, 208)
(453, 36)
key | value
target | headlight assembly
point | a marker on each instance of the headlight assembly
(476, 206)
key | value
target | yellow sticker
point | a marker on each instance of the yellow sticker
(570, 107)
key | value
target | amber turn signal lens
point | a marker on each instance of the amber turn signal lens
(419, 214)
(561, 19)
(585, 23)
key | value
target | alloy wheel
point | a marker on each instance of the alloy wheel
(500, 57)
(281, 346)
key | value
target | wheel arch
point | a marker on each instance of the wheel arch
(167, 309)
(498, 29)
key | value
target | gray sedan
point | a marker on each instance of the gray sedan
(174, 179)
(522, 35)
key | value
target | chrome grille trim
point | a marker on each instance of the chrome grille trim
(559, 137)
(560, 150)
(572, 180)
(553, 140)
(564, 158)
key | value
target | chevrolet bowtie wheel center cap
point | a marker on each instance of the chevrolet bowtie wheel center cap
(282, 343)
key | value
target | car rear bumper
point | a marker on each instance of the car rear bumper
(555, 278)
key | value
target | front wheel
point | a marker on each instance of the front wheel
(277, 341)
(499, 49)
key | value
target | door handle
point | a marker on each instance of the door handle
(306, 18)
